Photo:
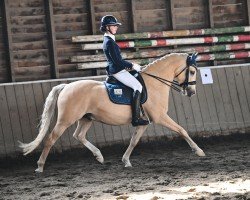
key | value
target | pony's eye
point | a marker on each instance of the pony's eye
(192, 72)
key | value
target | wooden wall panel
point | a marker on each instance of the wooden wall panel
(246, 80)
(29, 37)
(6, 128)
(227, 102)
(220, 108)
(201, 95)
(151, 15)
(71, 18)
(189, 14)
(13, 114)
(23, 113)
(5, 72)
(3, 152)
(214, 122)
(4, 69)
(241, 92)
(198, 121)
(31, 106)
(229, 13)
(188, 113)
(235, 98)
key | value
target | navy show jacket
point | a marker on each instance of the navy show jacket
(113, 55)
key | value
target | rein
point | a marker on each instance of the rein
(173, 84)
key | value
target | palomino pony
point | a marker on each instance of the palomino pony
(87, 100)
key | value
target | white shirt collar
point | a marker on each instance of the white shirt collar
(110, 35)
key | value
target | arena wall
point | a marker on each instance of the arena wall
(220, 108)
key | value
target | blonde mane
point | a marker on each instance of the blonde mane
(163, 58)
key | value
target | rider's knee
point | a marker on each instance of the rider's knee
(138, 87)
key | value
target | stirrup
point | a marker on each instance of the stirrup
(140, 122)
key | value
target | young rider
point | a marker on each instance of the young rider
(118, 67)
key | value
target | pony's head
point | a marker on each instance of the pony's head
(186, 77)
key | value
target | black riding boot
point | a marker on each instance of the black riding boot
(136, 120)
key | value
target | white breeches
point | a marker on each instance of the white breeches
(129, 80)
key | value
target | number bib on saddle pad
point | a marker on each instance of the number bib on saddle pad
(121, 94)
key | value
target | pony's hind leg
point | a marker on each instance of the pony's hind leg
(50, 141)
(171, 124)
(133, 142)
(80, 134)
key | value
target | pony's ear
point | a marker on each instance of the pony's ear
(194, 55)
(191, 59)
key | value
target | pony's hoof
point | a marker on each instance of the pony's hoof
(99, 157)
(200, 153)
(127, 163)
(39, 170)
(101, 160)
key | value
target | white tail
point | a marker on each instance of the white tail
(48, 113)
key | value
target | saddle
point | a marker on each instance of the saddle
(121, 94)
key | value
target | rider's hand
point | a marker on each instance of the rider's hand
(137, 67)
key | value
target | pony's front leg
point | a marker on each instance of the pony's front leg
(166, 121)
(133, 142)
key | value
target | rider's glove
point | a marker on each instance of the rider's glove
(137, 67)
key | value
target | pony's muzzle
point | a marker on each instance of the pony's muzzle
(190, 93)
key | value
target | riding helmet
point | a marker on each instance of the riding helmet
(108, 20)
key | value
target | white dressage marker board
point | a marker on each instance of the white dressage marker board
(206, 76)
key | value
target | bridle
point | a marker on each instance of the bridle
(186, 83)
(175, 84)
